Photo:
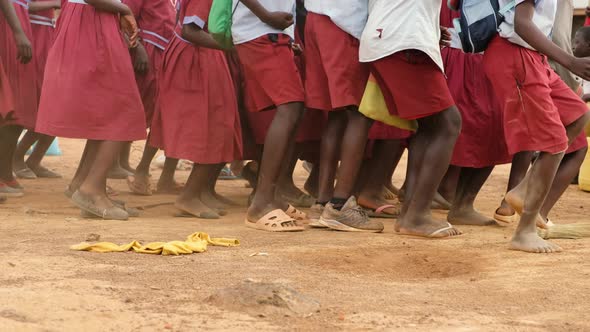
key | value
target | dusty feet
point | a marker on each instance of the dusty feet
(195, 207)
(531, 242)
(294, 196)
(213, 203)
(44, 173)
(139, 184)
(440, 203)
(425, 226)
(516, 200)
(169, 187)
(468, 216)
(118, 173)
(374, 202)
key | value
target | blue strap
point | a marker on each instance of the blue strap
(508, 7)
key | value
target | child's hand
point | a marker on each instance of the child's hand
(297, 48)
(445, 37)
(129, 27)
(581, 67)
(279, 20)
(140, 59)
(23, 46)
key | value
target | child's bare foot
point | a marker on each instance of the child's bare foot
(425, 226)
(440, 203)
(196, 208)
(118, 173)
(294, 196)
(169, 187)
(211, 201)
(140, 184)
(468, 216)
(531, 242)
(225, 200)
(515, 199)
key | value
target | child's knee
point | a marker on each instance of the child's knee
(451, 121)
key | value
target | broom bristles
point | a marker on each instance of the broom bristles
(566, 231)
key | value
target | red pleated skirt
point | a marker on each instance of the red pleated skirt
(148, 82)
(198, 115)
(42, 40)
(21, 77)
(481, 142)
(89, 89)
(6, 100)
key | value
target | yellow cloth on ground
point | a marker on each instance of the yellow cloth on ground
(195, 243)
(584, 178)
(373, 106)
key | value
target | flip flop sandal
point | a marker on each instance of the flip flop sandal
(434, 235)
(275, 221)
(87, 204)
(25, 173)
(8, 191)
(298, 215)
(502, 219)
(119, 174)
(145, 190)
(133, 212)
(379, 212)
(388, 194)
(44, 173)
(68, 192)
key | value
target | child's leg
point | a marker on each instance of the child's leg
(95, 182)
(436, 137)
(462, 211)
(214, 176)
(166, 182)
(189, 200)
(520, 165)
(116, 171)
(541, 177)
(279, 138)
(43, 144)
(286, 189)
(8, 140)
(124, 157)
(208, 195)
(139, 183)
(386, 156)
(568, 169)
(448, 186)
(353, 150)
(312, 183)
(330, 149)
(29, 138)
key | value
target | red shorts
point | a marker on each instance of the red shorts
(334, 76)
(537, 104)
(414, 87)
(579, 143)
(270, 74)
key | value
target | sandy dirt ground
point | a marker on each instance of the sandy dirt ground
(363, 281)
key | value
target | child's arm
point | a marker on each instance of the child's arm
(127, 20)
(198, 37)
(528, 31)
(23, 45)
(37, 6)
(277, 20)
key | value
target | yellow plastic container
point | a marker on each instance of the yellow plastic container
(584, 178)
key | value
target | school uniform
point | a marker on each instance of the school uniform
(6, 99)
(481, 142)
(43, 30)
(270, 74)
(21, 77)
(537, 104)
(401, 43)
(89, 89)
(334, 76)
(198, 105)
(155, 19)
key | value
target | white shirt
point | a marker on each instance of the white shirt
(543, 18)
(246, 26)
(398, 25)
(348, 15)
